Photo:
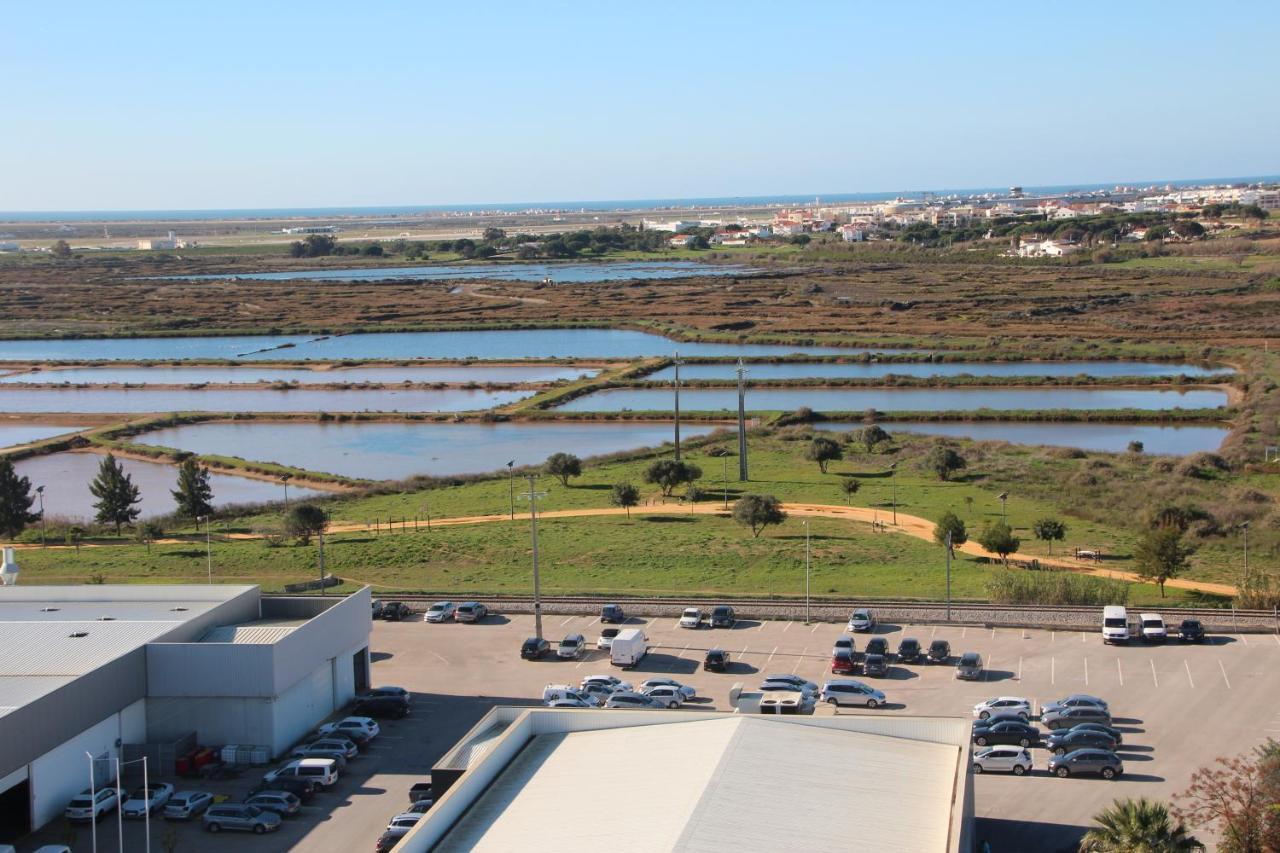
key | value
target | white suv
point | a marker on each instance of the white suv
(1003, 759)
(365, 728)
(1003, 705)
(91, 806)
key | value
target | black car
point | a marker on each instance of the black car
(394, 611)
(612, 613)
(909, 650)
(717, 660)
(534, 648)
(722, 616)
(303, 789)
(1060, 743)
(377, 608)
(997, 718)
(877, 646)
(1106, 764)
(1191, 631)
(388, 840)
(381, 706)
(875, 665)
(939, 652)
(1021, 734)
(1114, 734)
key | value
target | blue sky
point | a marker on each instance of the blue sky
(229, 104)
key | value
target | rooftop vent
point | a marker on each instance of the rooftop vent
(177, 609)
(106, 618)
(78, 635)
(49, 609)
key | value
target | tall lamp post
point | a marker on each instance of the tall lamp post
(40, 493)
(532, 497)
(511, 486)
(726, 480)
(208, 543)
(1244, 527)
(742, 421)
(893, 478)
(1004, 518)
(806, 570)
(948, 575)
(284, 481)
(677, 362)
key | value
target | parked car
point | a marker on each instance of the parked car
(877, 646)
(716, 660)
(606, 638)
(1022, 734)
(1062, 742)
(1153, 629)
(794, 680)
(600, 691)
(692, 617)
(687, 691)
(862, 620)
(844, 643)
(421, 806)
(1087, 761)
(534, 648)
(570, 703)
(358, 729)
(322, 771)
(308, 751)
(874, 665)
(404, 820)
(388, 690)
(571, 647)
(612, 614)
(847, 691)
(395, 611)
(1066, 718)
(628, 648)
(303, 789)
(148, 800)
(553, 693)
(997, 718)
(667, 694)
(382, 706)
(339, 745)
(441, 611)
(1075, 700)
(1003, 705)
(1114, 734)
(909, 650)
(632, 700)
(722, 616)
(390, 838)
(969, 667)
(89, 806)
(843, 663)
(470, 611)
(185, 805)
(939, 652)
(1002, 759)
(377, 608)
(1191, 631)
(281, 802)
(612, 682)
(241, 816)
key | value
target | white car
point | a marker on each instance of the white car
(850, 691)
(861, 620)
(564, 693)
(1003, 705)
(795, 681)
(689, 692)
(572, 703)
(87, 806)
(624, 699)
(441, 611)
(666, 694)
(185, 805)
(1153, 629)
(405, 819)
(605, 641)
(363, 728)
(844, 643)
(571, 647)
(1003, 759)
(1075, 700)
(339, 745)
(692, 617)
(610, 681)
(148, 800)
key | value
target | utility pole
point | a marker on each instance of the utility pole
(806, 570)
(40, 492)
(322, 589)
(208, 543)
(511, 486)
(893, 478)
(93, 797)
(948, 575)
(532, 497)
(726, 480)
(742, 421)
(1244, 526)
(1004, 518)
(677, 362)
(284, 481)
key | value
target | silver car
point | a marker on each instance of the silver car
(862, 620)
(686, 690)
(1003, 759)
(185, 805)
(632, 701)
(441, 611)
(668, 695)
(850, 691)
(571, 647)
(240, 816)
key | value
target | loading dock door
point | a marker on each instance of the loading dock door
(15, 812)
(360, 663)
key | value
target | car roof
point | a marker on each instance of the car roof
(970, 656)
(468, 604)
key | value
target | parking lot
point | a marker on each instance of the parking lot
(1178, 706)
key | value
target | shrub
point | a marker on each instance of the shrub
(1025, 587)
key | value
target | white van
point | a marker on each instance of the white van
(1115, 624)
(321, 771)
(1153, 630)
(556, 692)
(628, 648)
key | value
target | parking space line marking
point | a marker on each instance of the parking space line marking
(1224, 674)
(1153, 671)
(993, 632)
(799, 659)
(1276, 637)
(963, 631)
(1019, 669)
(593, 621)
(1190, 680)
(1245, 638)
(744, 651)
(787, 627)
(1086, 672)
(1053, 670)
(566, 622)
(816, 626)
(1084, 637)
(762, 624)
(443, 659)
(987, 670)
(1120, 672)
(933, 632)
(1053, 636)
(772, 653)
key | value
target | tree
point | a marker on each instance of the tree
(1161, 555)
(1137, 826)
(950, 523)
(148, 532)
(823, 451)
(15, 500)
(758, 512)
(1188, 229)
(303, 521)
(850, 487)
(943, 461)
(668, 473)
(871, 436)
(1049, 530)
(61, 249)
(999, 539)
(1136, 447)
(1240, 798)
(492, 235)
(624, 495)
(116, 495)
(194, 495)
(564, 466)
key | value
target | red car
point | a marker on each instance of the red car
(843, 663)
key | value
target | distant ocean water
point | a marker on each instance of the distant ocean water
(608, 205)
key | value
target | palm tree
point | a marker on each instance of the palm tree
(1137, 826)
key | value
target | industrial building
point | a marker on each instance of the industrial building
(88, 670)
(700, 781)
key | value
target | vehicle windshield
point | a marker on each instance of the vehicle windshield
(1153, 623)
(1113, 622)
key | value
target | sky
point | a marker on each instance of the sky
(233, 104)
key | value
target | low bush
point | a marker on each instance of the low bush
(1031, 587)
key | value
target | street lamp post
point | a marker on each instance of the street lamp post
(948, 575)
(1244, 527)
(532, 497)
(1004, 517)
(511, 486)
(893, 478)
(726, 480)
(742, 421)
(677, 362)
(93, 797)
(806, 570)
(40, 493)
(284, 481)
(208, 543)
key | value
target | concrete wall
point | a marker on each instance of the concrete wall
(216, 721)
(63, 772)
(211, 669)
(301, 706)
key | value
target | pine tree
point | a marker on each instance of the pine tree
(116, 494)
(194, 495)
(15, 500)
